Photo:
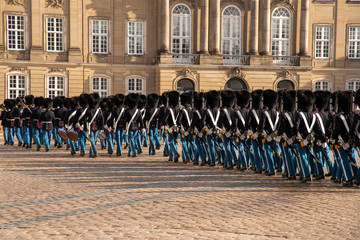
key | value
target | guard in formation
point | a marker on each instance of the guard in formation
(301, 134)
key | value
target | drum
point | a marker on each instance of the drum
(73, 135)
(101, 135)
(62, 134)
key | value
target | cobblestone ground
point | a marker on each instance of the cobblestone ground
(56, 196)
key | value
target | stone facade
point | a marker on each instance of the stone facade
(157, 65)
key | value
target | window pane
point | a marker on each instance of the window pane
(181, 29)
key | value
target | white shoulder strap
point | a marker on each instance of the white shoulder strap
(152, 116)
(198, 113)
(308, 128)
(345, 123)
(289, 119)
(143, 112)
(187, 116)
(173, 117)
(256, 116)
(118, 119)
(82, 114)
(227, 116)
(241, 117)
(214, 121)
(93, 118)
(321, 122)
(272, 125)
(131, 120)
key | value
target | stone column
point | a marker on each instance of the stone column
(165, 26)
(204, 29)
(304, 28)
(75, 30)
(254, 28)
(215, 26)
(266, 25)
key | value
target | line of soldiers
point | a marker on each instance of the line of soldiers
(293, 132)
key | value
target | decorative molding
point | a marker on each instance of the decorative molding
(236, 73)
(16, 2)
(286, 3)
(57, 70)
(19, 69)
(186, 73)
(55, 3)
(240, 3)
(190, 3)
(286, 75)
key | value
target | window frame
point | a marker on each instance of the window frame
(316, 26)
(348, 41)
(47, 88)
(143, 83)
(8, 89)
(172, 37)
(322, 81)
(280, 24)
(16, 31)
(55, 32)
(92, 34)
(136, 37)
(352, 80)
(108, 79)
(232, 22)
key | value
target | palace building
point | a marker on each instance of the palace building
(67, 47)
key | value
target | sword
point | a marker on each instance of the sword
(247, 147)
(294, 151)
(352, 160)
(273, 148)
(325, 155)
(215, 142)
(311, 154)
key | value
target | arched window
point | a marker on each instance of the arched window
(185, 85)
(231, 31)
(280, 32)
(235, 84)
(100, 85)
(181, 29)
(135, 84)
(353, 85)
(321, 85)
(16, 86)
(285, 85)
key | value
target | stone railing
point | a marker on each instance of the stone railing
(236, 59)
(186, 59)
(286, 60)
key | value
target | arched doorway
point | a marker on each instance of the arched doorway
(285, 85)
(235, 84)
(185, 85)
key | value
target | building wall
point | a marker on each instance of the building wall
(78, 64)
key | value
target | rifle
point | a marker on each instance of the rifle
(215, 142)
(247, 147)
(325, 155)
(311, 154)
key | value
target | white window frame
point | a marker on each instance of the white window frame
(100, 91)
(17, 88)
(355, 82)
(321, 83)
(56, 33)
(17, 32)
(136, 78)
(322, 41)
(356, 42)
(138, 38)
(182, 18)
(281, 20)
(56, 89)
(232, 40)
(100, 35)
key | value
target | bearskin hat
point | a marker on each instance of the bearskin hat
(39, 101)
(256, 97)
(29, 100)
(83, 100)
(345, 100)
(306, 100)
(289, 100)
(174, 98)
(334, 101)
(55, 102)
(270, 98)
(228, 98)
(322, 99)
(152, 100)
(9, 103)
(61, 101)
(67, 102)
(357, 97)
(48, 103)
(119, 100)
(132, 100)
(93, 100)
(103, 104)
(186, 99)
(164, 99)
(74, 103)
(142, 101)
(243, 98)
(198, 100)
(19, 100)
(280, 99)
(212, 99)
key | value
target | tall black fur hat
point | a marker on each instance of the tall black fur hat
(55, 102)
(256, 99)
(10, 103)
(29, 100)
(270, 98)
(322, 99)
(103, 104)
(152, 100)
(67, 102)
(142, 101)
(83, 100)
(228, 98)
(345, 100)
(280, 99)
(93, 100)
(74, 103)
(289, 100)
(110, 103)
(212, 99)
(174, 98)
(243, 98)
(357, 97)
(334, 101)
(198, 100)
(48, 103)
(119, 100)
(164, 99)
(186, 99)
(39, 101)
(132, 100)
(61, 102)
(306, 100)
(19, 99)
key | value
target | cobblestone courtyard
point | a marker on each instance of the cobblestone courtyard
(56, 196)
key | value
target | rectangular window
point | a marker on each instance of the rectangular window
(16, 86)
(16, 32)
(136, 38)
(55, 34)
(135, 85)
(100, 86)
(100, 36)
(322, 42)
(56, 86)
(322, 85)
(353, 85)
(354, 42)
